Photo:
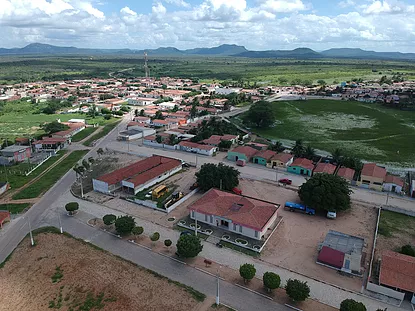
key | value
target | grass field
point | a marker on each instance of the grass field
(107, 128)
(369, 131)
(14, 208)
(65, 273)
(393, 224)
(51, 177)
(83, 134)
(15, 174)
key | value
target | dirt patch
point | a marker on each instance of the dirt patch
(294, 245)
(82, 274)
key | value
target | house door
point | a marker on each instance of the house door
(224, 223)
(347, 264)
(302, 172)
(256, 160)
(236, 158)
(393, 188)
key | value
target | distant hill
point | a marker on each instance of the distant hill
(230, 50)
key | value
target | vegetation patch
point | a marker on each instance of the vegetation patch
(14, 208)
(392, 223)
(83, 134)
(104, 132)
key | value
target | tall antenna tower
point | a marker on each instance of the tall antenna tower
(146, 69)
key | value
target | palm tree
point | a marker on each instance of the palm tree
(309, 152)
(338, 156)
(298, 149)
(277, 146)
(100, 153)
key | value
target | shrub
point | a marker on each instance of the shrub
(271, 280)
(124, 224)
(408, 250)
(188, 246)
(168, 243)
(247, 272)
(71, 207)
(352, 305)
(109, 219)
(137, 230)
(155, 237)
(297, 290)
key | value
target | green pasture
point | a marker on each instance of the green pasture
(369, 131)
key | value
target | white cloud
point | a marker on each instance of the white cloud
(127, 11)
(347, 3)
(180, 3)
(283, 6)
(390, 6)
(158, 9)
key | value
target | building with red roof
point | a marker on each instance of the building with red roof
(397, 271)
(138, 176)
(324, 168)
(372, 177)
(238, 214)
(262, 157)
(197, 148)
(4, 217)
(50, 144)
(215, 140)
(241, 153)
(301, 166)
(346, 173)
(281, 160)
(393, 183)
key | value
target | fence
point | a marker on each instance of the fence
(385, 291)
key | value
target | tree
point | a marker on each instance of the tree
(215, 176)
(71, 207)
(159, 139)
(321, 82)
(408, 250)
(271, 280)
(100, 152)
(326, 192)
(277, 146)
(109, 219)
(107, 117)
(260, 114)
(298, 149)
(137, 231)
(78, 171)
(247, 272)
(91, 160)
(352, 305)
(225, 144)
(159, 115)
(337, 156)
(155, 237)
(136, 113)
(173, 139)
(54, 127)
(193, 111)
(168, 243)
(86, 164)
(188, 246)
(309, 152)
(297, 290)
(142, 113)
(124, 224)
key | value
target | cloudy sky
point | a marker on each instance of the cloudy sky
(381, 25)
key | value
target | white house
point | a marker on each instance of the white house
(245, 216)
(141, 101)
(197, 148)
(393, 183)
(226, 90)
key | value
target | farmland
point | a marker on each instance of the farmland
(85, 278)
(261, 71)
(369, 131)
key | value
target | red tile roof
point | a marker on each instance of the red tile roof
(190, 144)
(331, 257)
(283, 157)
(244, 211)
(392, 179)
(398, 270)
(325, 168)
(216, 139)
(371, 169)
(265, 154)
(346, 173)
(304, 163)
(249, 152)
(4, 215)
(140, 168)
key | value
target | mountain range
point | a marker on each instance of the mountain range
(231, 50)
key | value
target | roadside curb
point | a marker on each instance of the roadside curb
(207, 272)
(253, 291)
(291, 307)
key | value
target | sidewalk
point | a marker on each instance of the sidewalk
(326, 293)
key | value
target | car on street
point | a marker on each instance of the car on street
(331, 215)
(285, 181)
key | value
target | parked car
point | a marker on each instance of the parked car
(241, 162)
(185, 233)
(285, 181)
(331, 215)
(194, 186)
(237, 191)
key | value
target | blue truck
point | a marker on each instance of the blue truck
(299, 207)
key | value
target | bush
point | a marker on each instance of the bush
(137, 230)
(352, 305)
(297, 290)
(247, 272)
(109, 219)
(271, 280)
(408, 250)
(124, 225)
(155, 237)
(188, 246)
(168, 243)
(71, 207)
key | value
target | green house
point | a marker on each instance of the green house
(263, 157)
(241, 153)
(301, 166)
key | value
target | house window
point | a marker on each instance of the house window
(256, 234)
(366, 181)
(193, 214)
(240, 228)
(378, 183)
(211, 219)
(234, 227)
(205, 217)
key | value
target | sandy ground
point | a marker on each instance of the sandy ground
(294, 244)
(26, 282)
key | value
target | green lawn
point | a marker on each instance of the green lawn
(369, 131)
(391, 222)
(15, 173)
(14, 208)
(51, 177)
(105, 131)
(83, 134)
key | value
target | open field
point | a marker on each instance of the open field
(107, 128)
(294, 244)
(269, 71)
(83, 134)
(369, 131)
(14, 208)
(86, 278)
(51, 177)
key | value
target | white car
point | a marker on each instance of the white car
(331, 215)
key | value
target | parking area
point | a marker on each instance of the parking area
(294, 245)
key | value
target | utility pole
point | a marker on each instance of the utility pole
(276, 176)
(217, 288)
(195, 225)
(387, 198)
(30, 232)
(82, 188)
(60, 222)
(220, 184)
(196, 161)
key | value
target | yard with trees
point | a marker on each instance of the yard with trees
(188, 246)
(297, 290)
(217, 176)
(260, 114)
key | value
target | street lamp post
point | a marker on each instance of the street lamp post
(217, 288)
(60, 222)
(30, 232)
(387, 198)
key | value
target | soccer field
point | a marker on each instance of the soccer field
(369, 131)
